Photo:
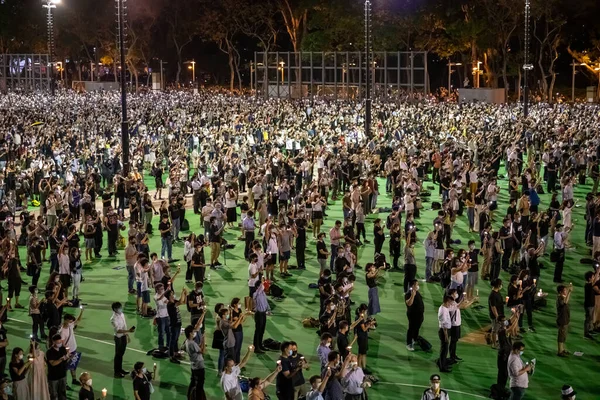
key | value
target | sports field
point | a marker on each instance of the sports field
(402, 374)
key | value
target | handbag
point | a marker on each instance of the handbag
(218, 339)
(150, 385)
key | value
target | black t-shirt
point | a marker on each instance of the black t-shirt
(340, 264)
(58, 371)
(174, 211)
(324, 320)
(417, 309)
(165, 226)
(142, 387)
(321, 246)
(563, 312)
(215, 235)
(174, 315)
(298, 379)
(195, 298)
(324, 283)
(474, 262)
(284, 385)
(513, 292)
(85, 394)
(496, 300)
(342, 344)
(13, 375)
(106, 199)
(508, 242)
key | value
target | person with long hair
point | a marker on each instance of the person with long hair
(18, 369)
(37, 379)
(36, 316)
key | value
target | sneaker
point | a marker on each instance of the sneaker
(217, 263)
(174, 360)
(588, 336)
(410, 347)
(531, 329)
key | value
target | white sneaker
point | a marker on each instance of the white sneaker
(410, 347)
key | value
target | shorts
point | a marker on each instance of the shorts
(90, 243)
(272, 260)
(496, 326)
(562, 333)
(473, 278)
(285, 256)
(146, 297)
(317, 215)
(65, 280)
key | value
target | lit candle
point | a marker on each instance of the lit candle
(506, 299)
(104, 392)
(534, 281)
(477, 292)
(250, 347)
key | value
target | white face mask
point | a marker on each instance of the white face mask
(327, 344)
(89, 382)
(20, 356)
(332, 307)
(436, 385)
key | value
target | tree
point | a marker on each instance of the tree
(547, 31)
(182, 17)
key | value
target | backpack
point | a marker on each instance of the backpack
(388, 222)
(276, 290)
(185, 225)
(218, 339)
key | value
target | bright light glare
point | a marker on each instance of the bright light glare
(56, 1)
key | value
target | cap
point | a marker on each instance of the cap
(434, 377)
(568, 391)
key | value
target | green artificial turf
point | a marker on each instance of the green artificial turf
(403, 375)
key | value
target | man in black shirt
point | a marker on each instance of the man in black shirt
(342, 339)
(496, 307)
(174, 211)
(415, 311)
(141, 382)
(196, 306)
(214, 234)
(588, 304)
(322, 252)
(166, 239)
(284, 382)
(325, 289)
(56, 359)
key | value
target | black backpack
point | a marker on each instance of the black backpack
(276, 291)
(44, 310)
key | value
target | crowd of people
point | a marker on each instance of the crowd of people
(271, 171)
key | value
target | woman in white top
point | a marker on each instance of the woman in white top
(231, 197)
(272, 240)
(64, 268)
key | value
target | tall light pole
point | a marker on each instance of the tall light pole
(50, 5)
(526, 65)
(193, 68)
(121, 21)
(369, 62)
(450, 65)
(574, 65)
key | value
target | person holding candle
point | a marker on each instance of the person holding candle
(142, 388)
(18, 369)
(229, 379)
(496, 308)
(86, 392)
(563, 316)
(57, 358)
(434, 391)
(258, 386)
(194, 351)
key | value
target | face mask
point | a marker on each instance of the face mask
(417, 288)
(89, 382)
(239, 306)
(59, 345)
(436, 385)
(20, 356)
(35, 292)
(57, 279)
(294, 352)
(327, 344)
(290, 352)
(521, 352)
(353, 364)
(144, 370)
(227, 317)
(119, 311)
(332, 307)
(8, 390)
(455, 296)
(506, 323)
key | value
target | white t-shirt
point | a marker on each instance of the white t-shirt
(161, 306)
(68, 337)
(64, 264)
(230, 385)
(252, 269)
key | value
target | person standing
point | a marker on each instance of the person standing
(194, 351)
(261, 310)
(496, 308)
(455, 319)
(588, 305)
(229, 379)
(563, 316)
(56, 358)
(38, 380)
(162, 317)
(214, 236)
(560, 238)
(18, 370)
(117, 320)
(3, 343)
(517, 372)
(335, 235)
(415, 311)
(248, 227)
(175, 321)
(434, 391)
(166, 237)
(67, 333)
(141, 381)
(445, 324)
(322, 252)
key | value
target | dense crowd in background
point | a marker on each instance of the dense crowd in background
(272, 170)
